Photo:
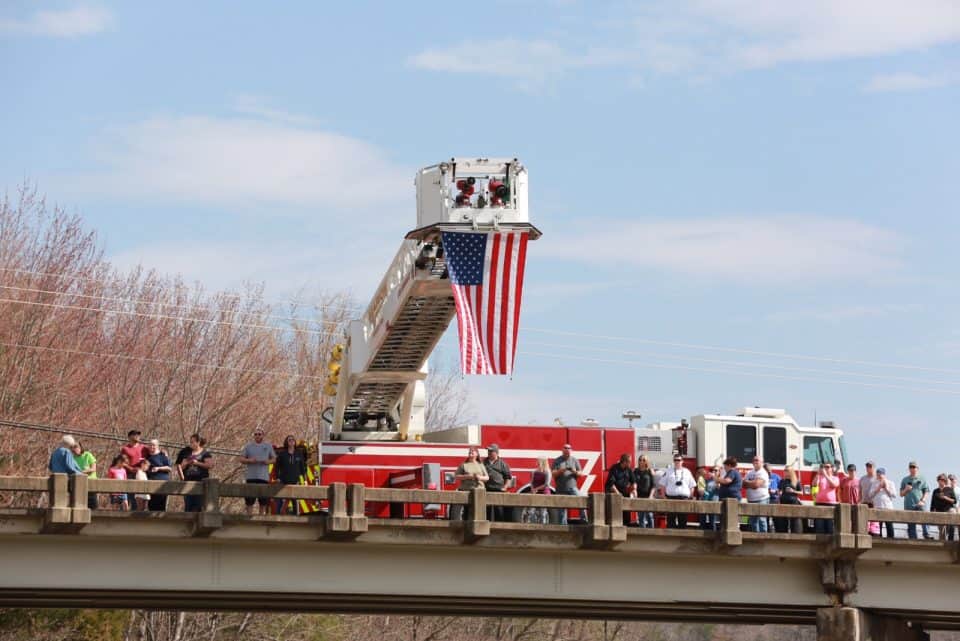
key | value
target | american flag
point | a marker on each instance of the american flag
(486, 273)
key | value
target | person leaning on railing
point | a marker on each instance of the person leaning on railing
(790, 491)
(943, 500)
(539, 484)
(620, 481)
(88, 465)
(194, 463)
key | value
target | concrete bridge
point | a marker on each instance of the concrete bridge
(850, 585)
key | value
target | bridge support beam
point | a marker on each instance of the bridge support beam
(853, 624)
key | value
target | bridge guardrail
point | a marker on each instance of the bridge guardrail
(347, 507)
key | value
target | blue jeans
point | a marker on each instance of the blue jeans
(645, 519)
(759, 523)
(912, 527)
(563, 512)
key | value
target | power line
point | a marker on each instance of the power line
(98, 435)
(166, 361)
(134, 301)
(743, 373)
(735, 350)
(224, 294)
(208, 321)
(747, 364)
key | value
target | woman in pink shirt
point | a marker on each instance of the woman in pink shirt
(826, 495)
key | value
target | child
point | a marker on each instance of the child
(118, 499)
(142, 499)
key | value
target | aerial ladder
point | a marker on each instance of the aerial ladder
(378, 374)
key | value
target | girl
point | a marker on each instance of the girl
(291, 465)
(539, 484)
(118, 472)
(142, 499)
(471, 474)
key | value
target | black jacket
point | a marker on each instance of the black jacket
(645, 482)
(290, 467)
(621, 478)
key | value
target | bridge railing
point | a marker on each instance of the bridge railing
(345, 510)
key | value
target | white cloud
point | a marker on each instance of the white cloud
(242, 162)
(709, 36)
(69, 23)
(533, 59)
(770, 249)
(894, 82)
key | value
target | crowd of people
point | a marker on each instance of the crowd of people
(561, 475)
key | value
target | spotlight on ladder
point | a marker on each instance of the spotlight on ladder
(630, 415)
(499, 192)
(466, 187)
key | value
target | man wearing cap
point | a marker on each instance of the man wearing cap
(134, 451)
(866, 481)
(500, 480)
(914, 490)
(62, 461)
(850, 486)
(566, 472)
(678, 483)
(257, 456)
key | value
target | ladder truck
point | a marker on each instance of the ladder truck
(375, 432)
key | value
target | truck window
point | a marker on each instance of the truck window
(817, 450)
(742, 442)
(843, 452)
(775, 445)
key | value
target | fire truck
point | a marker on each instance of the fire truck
(374, 432)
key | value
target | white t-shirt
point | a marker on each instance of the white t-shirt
(755, 494)
(880, 494)
(669, 482)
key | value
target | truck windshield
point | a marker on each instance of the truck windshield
(843, 451)
(817, 450)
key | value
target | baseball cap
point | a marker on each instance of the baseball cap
(913, 464)
(851, 468)
(870, 463)
(881, 470)
(493, 447)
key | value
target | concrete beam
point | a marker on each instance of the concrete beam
(853, 624)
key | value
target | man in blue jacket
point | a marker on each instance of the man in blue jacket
(61, 461)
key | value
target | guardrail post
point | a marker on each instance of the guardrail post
(844, 537)
(861, 527)
(730, 533)
(209, 518)
(477, 526)
(58, 503)
(618, 532)
(79, 508)
(358, 515)
(338, 519)
(598, 532)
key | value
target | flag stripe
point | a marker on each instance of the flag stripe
(518, 287)
(504, 304)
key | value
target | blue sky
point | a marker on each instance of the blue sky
(764, 177)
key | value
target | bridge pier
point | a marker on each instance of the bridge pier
(854, 624)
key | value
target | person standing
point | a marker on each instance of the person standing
(774, 490)
(158, 470)
(471, 474)
(731, 482)
(709, 492)
(499, 479)
(790, 491)
(866, 481)
(828, 483)
(850, 486)
(88, 465)
(620, 481)
(61, 460)
(566, 474)
(134, 450)
(291, 467)
(881, 494)
(914, 490)
(118, 472)
(646, 485)
(142, 498)
(943, 500)
(194, 463)
(677, 483)
(757, 483)
(257, 455)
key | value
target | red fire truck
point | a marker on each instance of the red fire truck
(375, 432)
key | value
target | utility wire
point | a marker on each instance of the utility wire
(310, 301)
(743, 373)
(745, 364)
(826, 359)
(207, 321)
(166, 361)
(133, 301)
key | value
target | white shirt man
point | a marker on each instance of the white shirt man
(677, 483)
(757, 482)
